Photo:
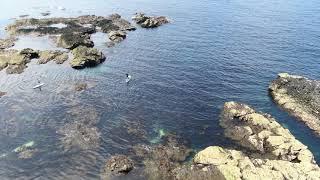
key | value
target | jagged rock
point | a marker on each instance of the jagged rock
(117, 36)
(86, 57)
(233, 164)
(300, 97)
(48, 55)
(80, 86)
(7, 43)
(149, 21)
(16, 61)
(260, 132)
(73, 40)
(117, 165)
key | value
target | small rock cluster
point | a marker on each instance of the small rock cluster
(300, 97)
(149, 21)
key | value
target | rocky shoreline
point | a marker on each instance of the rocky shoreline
(266, 151)
(300, 97)
(72, 34)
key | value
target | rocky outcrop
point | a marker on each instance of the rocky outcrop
(117, 36)
(48, 55)
(86, 57)
(300, 97)
(73, 40)
(15, 61)
(268, 151)
(149, 21)
(7, 43)
(117, 165)
(261, 133)
(233, 164)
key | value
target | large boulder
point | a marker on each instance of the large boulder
(86, 57)
(73, 40)
(299, 96)
(117, 165)
(117, 36)
(260, 132)
(149, 21)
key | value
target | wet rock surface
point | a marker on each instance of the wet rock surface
(160, 160)
(86, 57)
(300, 97)
(117, 165)
(149, 21)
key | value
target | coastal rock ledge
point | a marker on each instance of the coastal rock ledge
(300, 97)
(268, 151)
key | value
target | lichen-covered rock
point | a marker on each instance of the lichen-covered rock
(117, 36)
(233, 164)
(260, 132)
(86, 57)
(117, 165)
(48, 55)
(149, 21)
(73, 40)
(300, 97)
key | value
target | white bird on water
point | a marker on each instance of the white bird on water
(128, 79)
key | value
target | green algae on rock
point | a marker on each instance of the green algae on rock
(86, 57)
(299, 96)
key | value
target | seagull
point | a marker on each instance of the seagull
(128, 79)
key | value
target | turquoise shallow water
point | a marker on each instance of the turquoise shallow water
(183, 72)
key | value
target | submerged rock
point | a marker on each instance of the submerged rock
(300, 97)
(149, 21)
(80, 86)
(80, 135)
(160, 160)
(86, 57)
(48, 55)
(26, 150)
(117, 36)
(117, 165)
(2, 93)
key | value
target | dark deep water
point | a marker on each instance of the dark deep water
(214, 51)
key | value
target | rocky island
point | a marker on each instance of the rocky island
(299, 96)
